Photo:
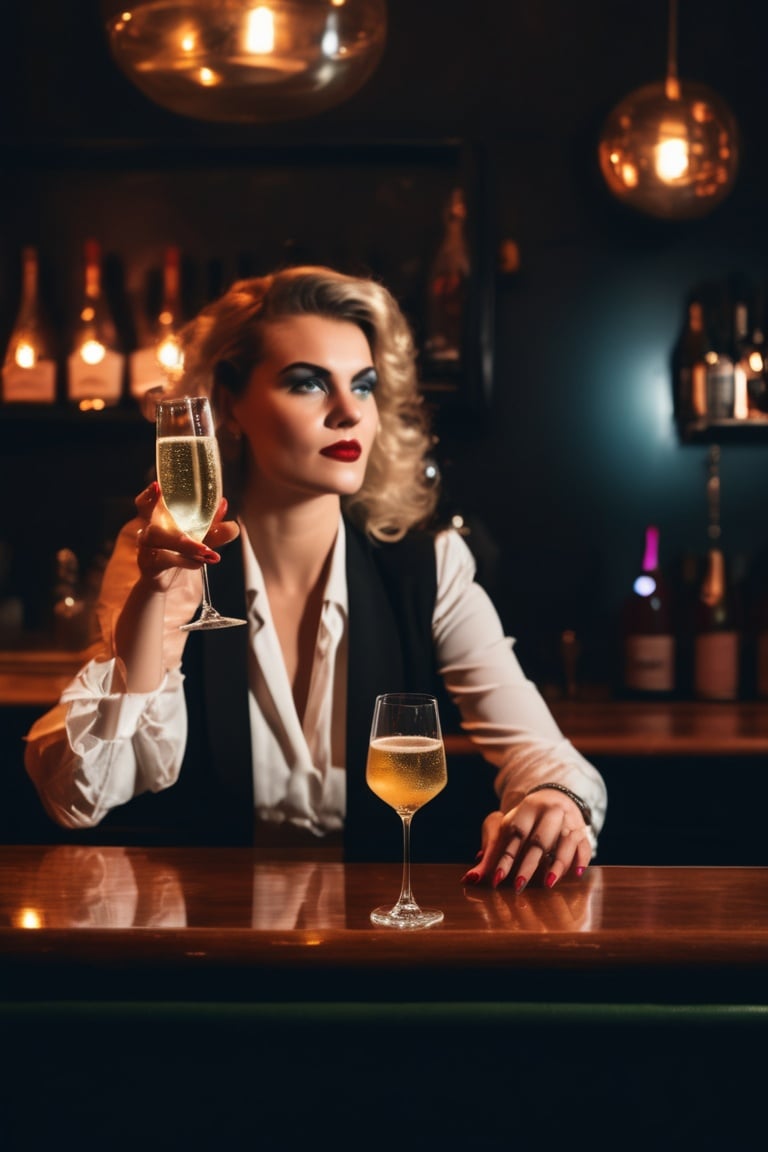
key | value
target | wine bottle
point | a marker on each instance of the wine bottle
(720, 377)
(756, 367)
(717, 639)
(161, 359)
(649, 634)
(70, 624)
(95, 365)
(448, 287)
(741, 360)
(29, 369)
(690, 366)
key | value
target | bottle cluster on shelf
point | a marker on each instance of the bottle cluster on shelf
(94, 371)
(700, 633)
(720, 359)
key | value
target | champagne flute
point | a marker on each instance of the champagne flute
(406, 768)
(189, 474)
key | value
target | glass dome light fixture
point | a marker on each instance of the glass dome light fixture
(670, 149)
(246, 61)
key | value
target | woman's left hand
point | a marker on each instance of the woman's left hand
(544, 835)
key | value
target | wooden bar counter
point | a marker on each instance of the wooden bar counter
(148, 921)
(253, 1003)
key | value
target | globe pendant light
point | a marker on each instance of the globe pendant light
(670, 149)
(246, 61)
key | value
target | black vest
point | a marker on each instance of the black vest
(391, 591)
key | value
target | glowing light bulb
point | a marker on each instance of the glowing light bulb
(260, 31)
(92, 352)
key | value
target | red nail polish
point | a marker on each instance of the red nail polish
(520, 883)
(580, 871)
(498, 877)
(470, 877)
(480, 854)
(550, 879)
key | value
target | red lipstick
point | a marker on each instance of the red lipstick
(345, 450)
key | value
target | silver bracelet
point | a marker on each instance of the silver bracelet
(582, 806)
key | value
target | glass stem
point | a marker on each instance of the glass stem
(405, 887)
(207, 606)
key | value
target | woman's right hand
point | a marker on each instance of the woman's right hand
(162, 550)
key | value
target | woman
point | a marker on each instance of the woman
(313, 380)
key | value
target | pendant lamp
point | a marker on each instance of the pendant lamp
(244, 61)
(670, 149)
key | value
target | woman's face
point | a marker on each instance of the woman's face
(308, 410)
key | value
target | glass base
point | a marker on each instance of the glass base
(406, 916)
(210, 618)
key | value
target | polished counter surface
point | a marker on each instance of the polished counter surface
(206, 999)
(214, 920)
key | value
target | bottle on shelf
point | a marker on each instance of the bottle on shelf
(720, 375)
(95, 365)
(756, 367)
(161, 358)
(29, 369)
(448, 287)
(690, 365)
(742, 349)
(70, 622)
(717, 640)
(648, 628)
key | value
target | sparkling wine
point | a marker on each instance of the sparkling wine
(95, 365)
(29, 370)
(717, 640)
(189, 473)
(406, 771)
(160, 359)
(649, 638)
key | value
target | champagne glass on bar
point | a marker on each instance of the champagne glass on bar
(406, 768)
(189, 474)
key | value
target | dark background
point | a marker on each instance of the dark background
(579, 450)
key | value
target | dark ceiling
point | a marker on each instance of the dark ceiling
(481, 67)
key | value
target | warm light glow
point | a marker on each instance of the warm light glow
(756, 362)
(260, 31)
(170, 355)
(672, 159)
(330, 42)
(25, 354)
(670, 148)
(95, 405)
(248, 61)
(92, 352)
(27, 918)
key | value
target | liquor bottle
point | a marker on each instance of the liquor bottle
(161, 359)
(717, 637)
(649, 634)
(70, 624)
(690, 366)
(95, 365)
(448, 287)
(742, 369)
(29, 370)
(756, 367)
(720, 378)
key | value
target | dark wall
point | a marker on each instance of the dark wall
(580, 451)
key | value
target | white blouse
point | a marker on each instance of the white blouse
(98, 748)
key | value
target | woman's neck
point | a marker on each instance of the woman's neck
(292, 544)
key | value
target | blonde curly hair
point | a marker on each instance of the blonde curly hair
(224, 343)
